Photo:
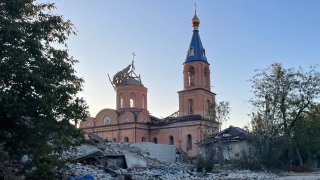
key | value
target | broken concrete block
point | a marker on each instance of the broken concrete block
(97, 139)
(134, 161)
(86, 151)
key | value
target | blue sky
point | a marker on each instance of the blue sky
(239, 36)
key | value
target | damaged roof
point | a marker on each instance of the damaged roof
(169, 120)
(231, 134)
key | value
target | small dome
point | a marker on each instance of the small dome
(127, 76)
(132, 81)
(195, 21)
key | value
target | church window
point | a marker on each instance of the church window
(171, 140)
(191, 51)
(191, 76)
(206, 77)
(131, 103)
(143, 139)
(155, 140)
(121, 101)
(88, 124)
(190, 106)
(106, 120)
(209, 107)
(189, 142)
(126, 139)
(126, 120)
(203, 52)
(132, 100)
(143, 101)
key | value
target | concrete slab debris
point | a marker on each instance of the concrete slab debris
(162, 152)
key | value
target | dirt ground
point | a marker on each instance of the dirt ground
(315, 175)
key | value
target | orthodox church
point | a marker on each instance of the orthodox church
(132, 122)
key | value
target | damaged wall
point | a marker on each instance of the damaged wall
(222, 151)
(235, 150)
(162, 152)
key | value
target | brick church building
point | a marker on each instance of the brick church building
(132, 122)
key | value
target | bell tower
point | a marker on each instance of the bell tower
(196, 97)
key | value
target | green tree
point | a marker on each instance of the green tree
(268, 143)
(38, 85)
(306, 137)
(219, 112)
(281, 99)
(222, 112)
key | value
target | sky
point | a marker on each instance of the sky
(239, 36)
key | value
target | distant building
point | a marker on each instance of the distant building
(132, 122)
(230, 144)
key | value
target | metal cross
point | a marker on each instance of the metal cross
(133, 55)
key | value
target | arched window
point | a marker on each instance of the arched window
(209, 107)
(190, 106)
(88, 124)
(191, 76)
(106, 120)
(143, 139)
(155, 140)
(206, 77)
(191, 51)
(126, 139)
(131, 103)
(143, 101)
(126, 120)
(171, 140)
(189, 142)
(121, 100)
(132, 100)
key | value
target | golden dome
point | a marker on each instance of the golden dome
(195, 21)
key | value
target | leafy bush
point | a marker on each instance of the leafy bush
(203, 164)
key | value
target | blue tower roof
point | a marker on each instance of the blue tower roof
(196, 52)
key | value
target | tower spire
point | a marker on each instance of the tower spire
(195, 19)
(195, 6)
(196, 52)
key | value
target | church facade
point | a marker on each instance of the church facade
(132, 122)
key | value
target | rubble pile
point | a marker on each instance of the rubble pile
(81, 170)
(160, 174)
(106, 160)
(242, 174)
(176, 174)
(111, 160)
